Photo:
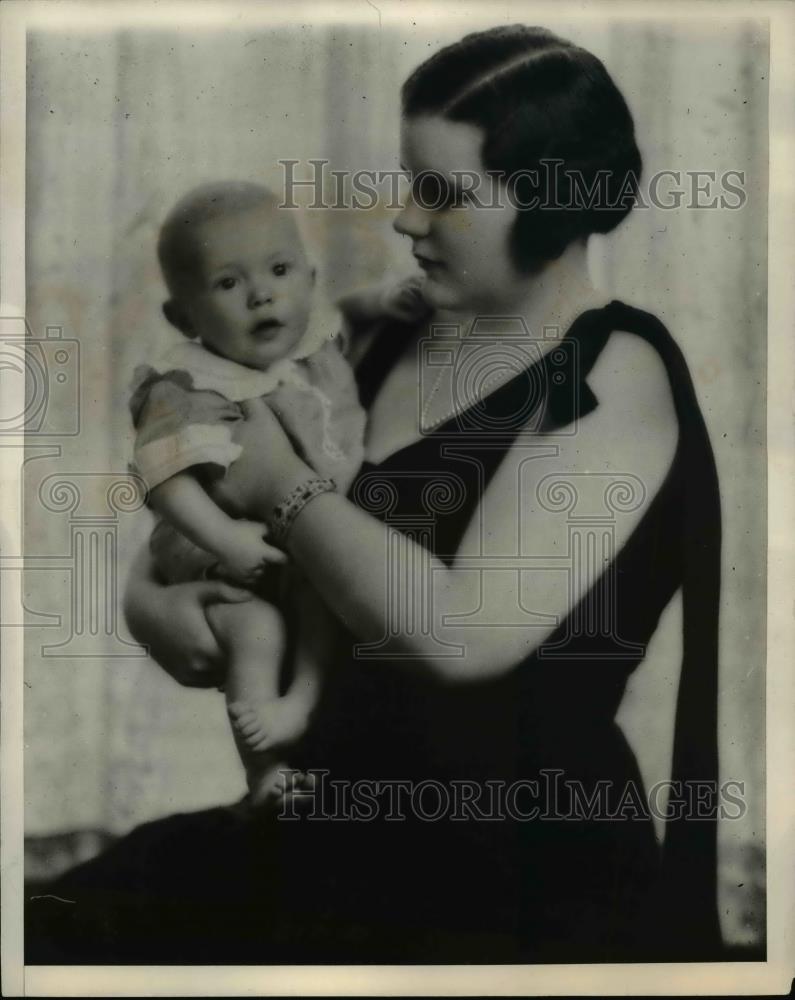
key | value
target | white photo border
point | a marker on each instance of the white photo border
(730, 978)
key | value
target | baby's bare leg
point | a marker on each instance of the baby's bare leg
(254, 638)
(281, 722)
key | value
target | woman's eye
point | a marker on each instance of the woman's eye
(280, 270)
(432, 191)
(227, 284)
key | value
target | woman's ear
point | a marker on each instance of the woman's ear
(178, 317)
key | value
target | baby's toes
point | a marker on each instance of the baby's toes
(307, 782)
(253, 736)
(248, 730)
(266, 789)
(245, 724)
(259, 741)
(242, 714)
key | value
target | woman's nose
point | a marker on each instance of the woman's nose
(412, 221)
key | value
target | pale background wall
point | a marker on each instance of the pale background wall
(121, 123)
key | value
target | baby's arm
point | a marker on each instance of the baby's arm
(239, 546)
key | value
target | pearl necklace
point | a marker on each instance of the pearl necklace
(427, 425)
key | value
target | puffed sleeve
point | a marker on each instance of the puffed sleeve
(179, 427)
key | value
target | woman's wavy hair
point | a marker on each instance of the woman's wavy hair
(538, 98)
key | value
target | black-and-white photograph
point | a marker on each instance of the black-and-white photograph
(394, 491)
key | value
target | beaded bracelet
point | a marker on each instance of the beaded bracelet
(288, 510)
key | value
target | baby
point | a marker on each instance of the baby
(242, 292)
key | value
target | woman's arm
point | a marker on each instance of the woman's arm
(376, 579)
(171, 623)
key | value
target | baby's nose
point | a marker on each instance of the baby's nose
(260, 294)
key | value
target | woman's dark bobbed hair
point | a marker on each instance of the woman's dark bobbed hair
(538, 98)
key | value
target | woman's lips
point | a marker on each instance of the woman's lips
(427, 263)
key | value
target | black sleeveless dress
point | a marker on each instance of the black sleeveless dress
(523, 833)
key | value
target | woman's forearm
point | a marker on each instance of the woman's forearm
(385, 587)
(171, 622)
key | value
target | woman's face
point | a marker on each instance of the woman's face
(462, 246)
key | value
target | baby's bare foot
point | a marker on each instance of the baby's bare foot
(272, 724)
(277, 786)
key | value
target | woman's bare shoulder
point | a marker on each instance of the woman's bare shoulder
(633, 430)
(631, 384)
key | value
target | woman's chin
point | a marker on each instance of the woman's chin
(439, 295)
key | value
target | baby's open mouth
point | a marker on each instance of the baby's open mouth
(266, 327)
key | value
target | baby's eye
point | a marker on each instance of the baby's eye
(227, 283)
(280, 270)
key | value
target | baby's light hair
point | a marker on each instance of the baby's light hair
(177, 241)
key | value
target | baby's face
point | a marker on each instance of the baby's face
(252, 296)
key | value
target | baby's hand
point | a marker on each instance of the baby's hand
(244, 554)
(405, 301)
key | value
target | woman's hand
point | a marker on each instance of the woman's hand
(171, 623)
(266, 471)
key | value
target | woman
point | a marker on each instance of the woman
(513, 678)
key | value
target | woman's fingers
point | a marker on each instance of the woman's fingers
(201, 668)
(200, 675)
(219, 592)
(256, 409)
(267, 468)
(274, 555)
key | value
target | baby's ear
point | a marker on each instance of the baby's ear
(178, 317)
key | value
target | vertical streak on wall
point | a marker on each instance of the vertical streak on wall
(69, 250)
(705, 275)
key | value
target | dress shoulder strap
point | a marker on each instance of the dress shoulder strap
(388, 343)
(689, 877)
